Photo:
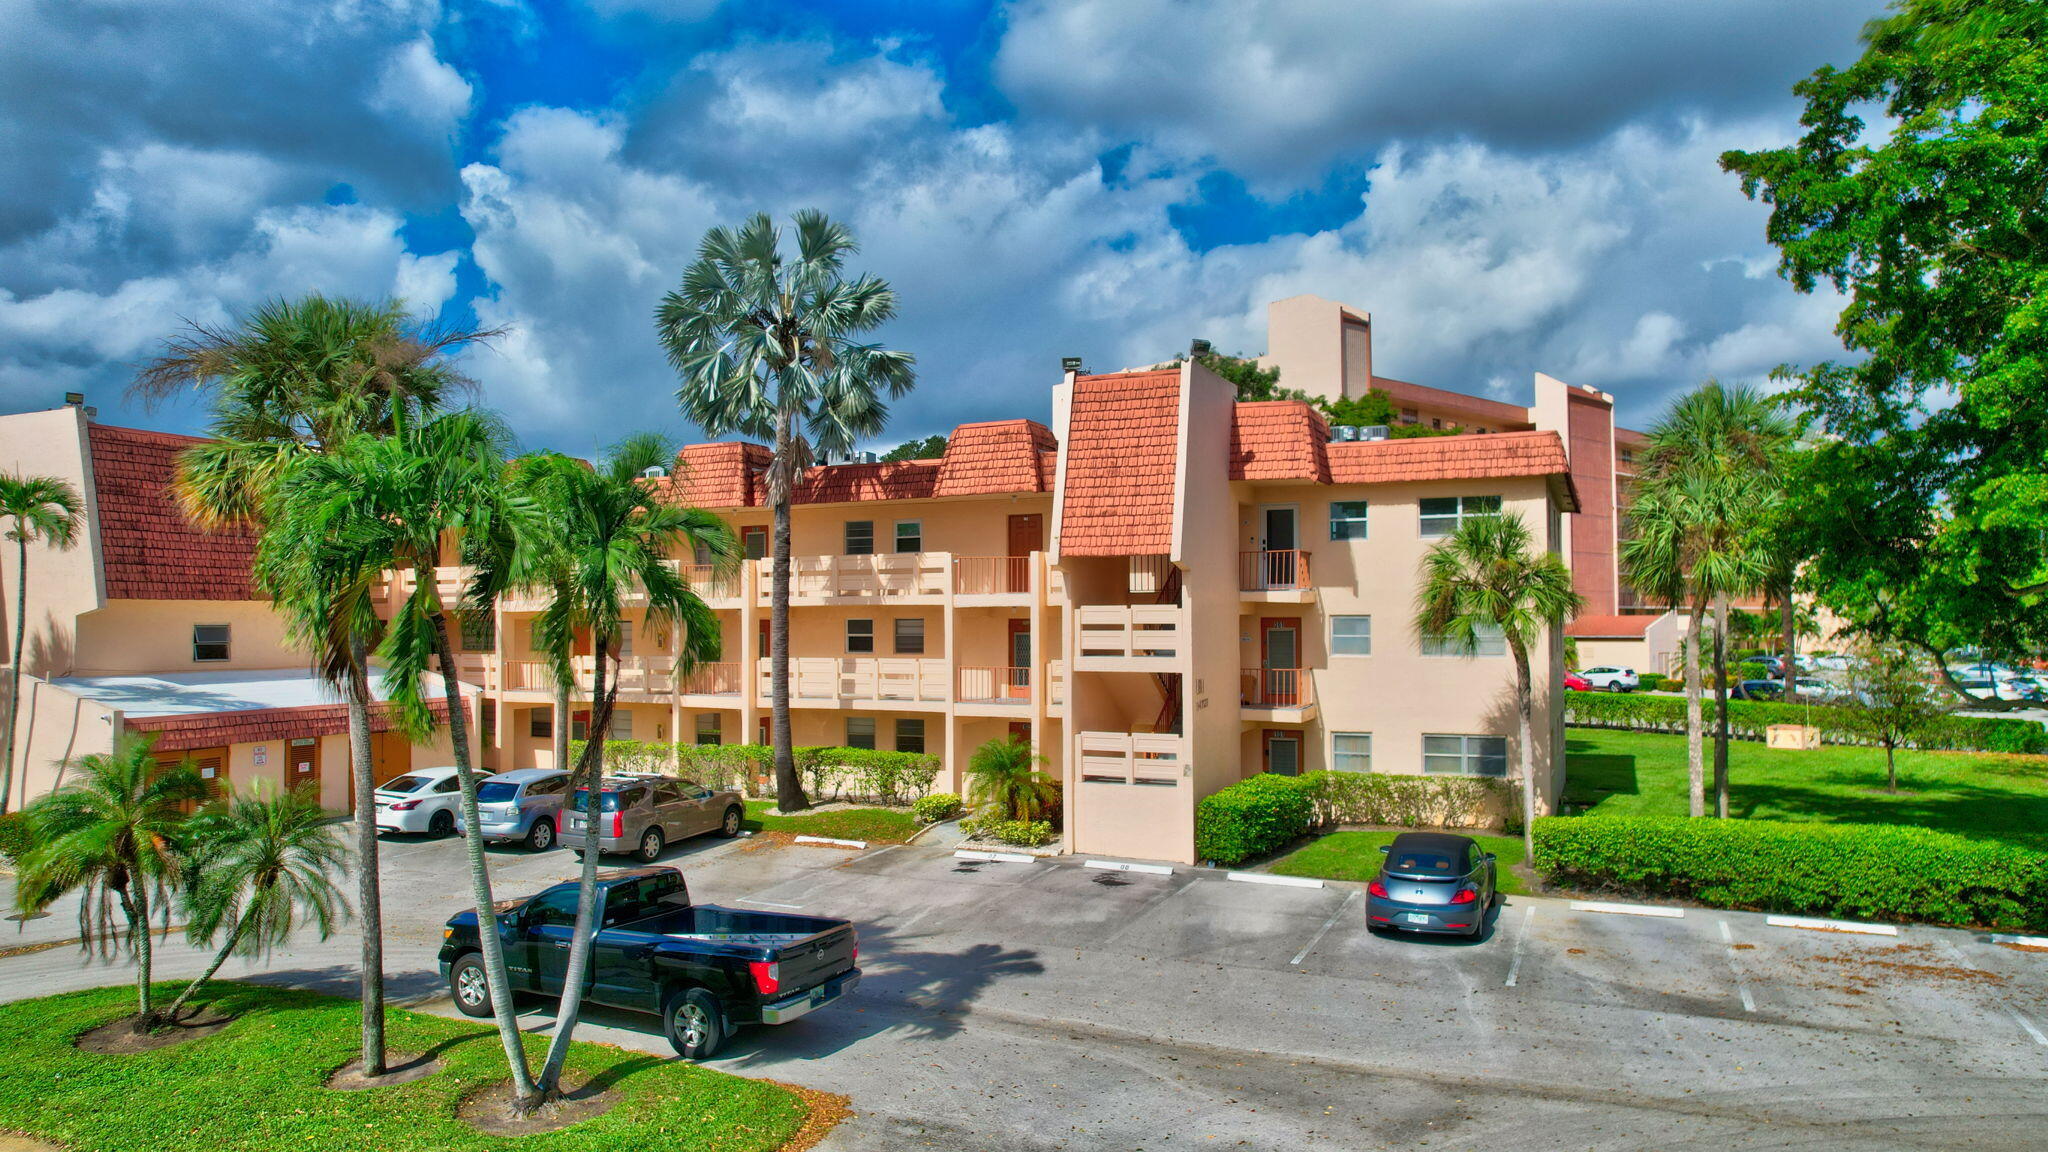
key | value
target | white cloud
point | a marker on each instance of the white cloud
(416, 86)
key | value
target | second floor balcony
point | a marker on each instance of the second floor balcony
(1143, 636)
(815, 680)
(1284, 572)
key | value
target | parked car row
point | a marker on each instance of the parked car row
(536, 806)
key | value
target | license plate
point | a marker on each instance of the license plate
(1415, 917)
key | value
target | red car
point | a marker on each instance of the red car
(1573, 682)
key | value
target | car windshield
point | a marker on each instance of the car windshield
(496, 792)
(607, 801)
(1424, 862)
(406, 784)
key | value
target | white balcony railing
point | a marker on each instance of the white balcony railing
(1056, 681)
(879, 576)
(1145, 630)
(977, 685)
(1132, 757)
(635, 676)
(991, 575)
(860, 678)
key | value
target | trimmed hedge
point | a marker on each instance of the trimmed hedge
(1254, 817)
(1022, 833)
(936, 807)
(1263, 814)
(1747, 720)
(1857, 871)
(864, 774)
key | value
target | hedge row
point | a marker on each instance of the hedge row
(1747, 720)
(1855, 871)
(1261, 815)
(864, 774)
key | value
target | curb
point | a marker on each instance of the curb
(1269, 878)
(1627, 909)
(2022, 941)
(993, 857)
(1816, 925)
(830, 842)
(1122, 866)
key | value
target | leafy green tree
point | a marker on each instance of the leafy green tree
(1916, 191)
(1895, 702)
(1376, 407)
(261, 869)
(41, 509)
(927, 448)
(1490, 573)
(765, 347)
(1006, 773)
(116, 832)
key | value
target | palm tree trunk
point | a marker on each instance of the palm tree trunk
(14, 668)
(137, 903)
(789, 787)
(1695, 740)
(570, 1008)
(560, 742)
(1525, 732)
(489, 936)
(1721, 706)
(1788, 637)
(369, 895)
(219, 958)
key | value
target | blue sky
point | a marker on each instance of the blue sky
(1509, 187)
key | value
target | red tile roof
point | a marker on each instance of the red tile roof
(997, 456)
(1478, 409)
(1611, 627)
(847, 483)
(1123, 434)
(1472, 457)
(993, 458)
(1279, 440)
(255, 725)
(150, 551)
(722, 475)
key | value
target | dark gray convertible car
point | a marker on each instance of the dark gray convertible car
(1432, 882)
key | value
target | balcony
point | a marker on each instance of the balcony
(1274, 577)
(992, 579)
(1056, 687)
(1004, 688)
(1152, 758)
(1145, 637)
(897, 575)
(724, 679)
(635, 677)
(716, 586)
(1282, 694)
(833, 680)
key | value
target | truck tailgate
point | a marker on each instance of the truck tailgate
(806, 963)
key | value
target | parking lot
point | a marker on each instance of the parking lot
(1054, 1005)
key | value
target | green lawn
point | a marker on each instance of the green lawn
(1355, 855)
(1983, 795)
(883, 824)
(258, 1085)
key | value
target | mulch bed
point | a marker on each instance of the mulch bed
(825, 1111)
(120, 1037)
(399, 1068)
(490, 1110)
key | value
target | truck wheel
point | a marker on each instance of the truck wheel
(695, 1023)
(730, 826)
(467, 983)
(650, 845)
(541, 836)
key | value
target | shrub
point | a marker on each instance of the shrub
(1747, 720)
(935, 807)
(1407, 801)
(15, 836)
(1023, 833)
(1254, 817)
(1861, 871)
(864, 774)
(1654, 681)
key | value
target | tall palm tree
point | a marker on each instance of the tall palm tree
(296, 378)
(765, 348)
(1709, 486)
(261, 869)
(592, 541)
(1005, 773)
(43, 509)
(117, 833)
(1490, 574)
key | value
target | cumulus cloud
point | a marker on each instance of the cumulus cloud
(416, 86)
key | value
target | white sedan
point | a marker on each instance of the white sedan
(422, 800)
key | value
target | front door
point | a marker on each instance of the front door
(210, 763)
(1020, 730)
(302, 765)
(1027, 532)
(1017, 682)
(1276, 567)
(1283, 752)
(390, 755)
(1279, 662)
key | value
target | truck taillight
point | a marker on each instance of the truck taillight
(618, 824)
(767, 976)
(856, 948)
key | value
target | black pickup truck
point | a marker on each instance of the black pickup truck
(704, 970)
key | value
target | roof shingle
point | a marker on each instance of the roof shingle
(1123, 434)
(987, 459)
(1279, 440)
(149, 549)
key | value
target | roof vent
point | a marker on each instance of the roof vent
(867, 458)
(1373, 432)
(653, 472)
(1345, 432)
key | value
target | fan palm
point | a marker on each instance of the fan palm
(1005, 773)
(590, 541)
(765, 347)
(43, 509)
(1489, 574)
(261, 869)
(117, 833)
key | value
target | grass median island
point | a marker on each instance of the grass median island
(1979, 795)
(1355, 855)
(872, 824)
(258, 1084)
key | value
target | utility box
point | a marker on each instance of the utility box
(1797, 736)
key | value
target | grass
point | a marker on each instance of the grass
(1982, 795)
(888, 825)
(258, 1085)
(1355, 855)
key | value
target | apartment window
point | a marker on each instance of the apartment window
(755, 540)
(1410, 416)
(910, 535)
(1488, 640)
(909, 735)
(860, 537)
(910, 636)
(710, 728)
(1351, 751)
(1347, 519)
(860, 635)
(479, 633)
(860, 731)
(209, 642)
(1350, 635)
(540, 723)
(622, 724)
(1465, 755)
(1443, 515)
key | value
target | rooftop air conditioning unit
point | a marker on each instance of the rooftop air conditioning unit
(653, 472)
(1344, 432)
(1373, 432)
(867, 457)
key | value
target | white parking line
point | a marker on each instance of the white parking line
(1125, 866)
(2022, 941)
(1521, 942)
(2017, 1017)
(1627, 909)
(993, 857)
(830, 842)
(1816, 925)
(1741, 985)
(1318, 937)
(1266, 878)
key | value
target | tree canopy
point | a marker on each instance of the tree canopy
(925, 448)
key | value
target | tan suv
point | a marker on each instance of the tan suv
(643, 814)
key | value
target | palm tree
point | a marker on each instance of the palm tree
(117, 832)
(1709, 486)
(591, 541)
(1490, 574)
(261, 869)
(1005, 773)
(765, 348)
(292, 379)
(45, 509)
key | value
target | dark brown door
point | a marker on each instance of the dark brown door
(767, 639)
(302, 765)
(210, 763)
(1279, 662)
(1027, 531)
(1017, 680)
(390, 755)
(1020, 730)
(767, 731)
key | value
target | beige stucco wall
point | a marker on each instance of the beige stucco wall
(156, 636)
(62, 583)
(56, 726)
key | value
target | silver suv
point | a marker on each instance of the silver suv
(642, 814)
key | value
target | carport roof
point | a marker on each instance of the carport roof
(148, 694)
